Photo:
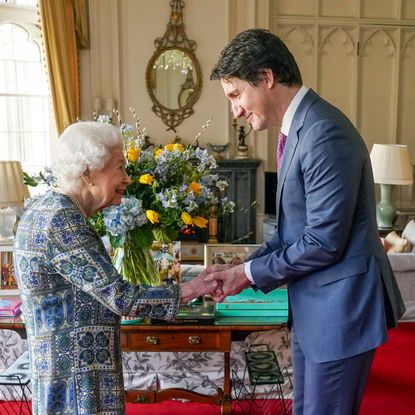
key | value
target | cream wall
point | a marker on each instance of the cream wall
(122, 42)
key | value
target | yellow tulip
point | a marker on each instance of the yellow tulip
(200, 222)
(146, 179)
(132, 154)
(186, 218)
(152, 216)
(174, 146)
(195, 187)
(178, 147)
(158, 152)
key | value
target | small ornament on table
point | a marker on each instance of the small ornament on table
(147, 143)
(218, 150)
(242, 152)
(177, 140)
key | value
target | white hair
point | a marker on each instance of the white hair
(83, 146)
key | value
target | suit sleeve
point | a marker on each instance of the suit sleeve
(330, 170)
(77, 254)
(267, 247)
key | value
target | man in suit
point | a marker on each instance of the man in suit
(342, 292)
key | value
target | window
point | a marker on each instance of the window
(27, 130)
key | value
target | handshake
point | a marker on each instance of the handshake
(217, 280)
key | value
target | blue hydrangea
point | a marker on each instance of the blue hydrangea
(128, 215)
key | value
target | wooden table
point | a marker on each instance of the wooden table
(174, 337)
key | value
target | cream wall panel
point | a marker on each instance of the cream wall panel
(301, 41)
(337, 63)
(386, 9)
(377, 86)
(346, 8)
(296, 8)
(408, 9)
(406, 113)
(105, 84)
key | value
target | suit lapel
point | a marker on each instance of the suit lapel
(292, 143)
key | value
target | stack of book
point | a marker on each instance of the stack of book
(250, 303)
(9, 306)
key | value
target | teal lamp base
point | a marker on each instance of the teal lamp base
(385, 211)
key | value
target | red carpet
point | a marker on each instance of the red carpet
(391, 386)
(390, 390)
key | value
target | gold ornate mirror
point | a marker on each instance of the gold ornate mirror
(173, 76)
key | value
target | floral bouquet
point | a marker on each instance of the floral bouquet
(172, 188)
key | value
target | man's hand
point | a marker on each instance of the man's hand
(232, 280)
(197, 287)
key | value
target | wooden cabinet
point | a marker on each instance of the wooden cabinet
(240, 227)
(8, 284)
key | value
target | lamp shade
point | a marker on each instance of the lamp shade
(12, 189)
(391, 164)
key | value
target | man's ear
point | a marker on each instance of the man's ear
(268, 77)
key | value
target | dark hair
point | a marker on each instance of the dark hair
(252, 51)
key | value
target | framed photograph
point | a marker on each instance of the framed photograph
(8, 284)
(228, 253)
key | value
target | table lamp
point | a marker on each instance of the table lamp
(391, 166)
(12, 194)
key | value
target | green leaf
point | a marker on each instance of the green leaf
(142, 236)
(165, 235)
(97, 221)
(116, 241)
(29, 180)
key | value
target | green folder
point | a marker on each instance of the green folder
(254, 303)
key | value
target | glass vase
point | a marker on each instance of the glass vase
(136, 264)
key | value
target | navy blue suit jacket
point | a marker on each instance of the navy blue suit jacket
(326, 246)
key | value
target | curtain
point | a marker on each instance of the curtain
(61, 21)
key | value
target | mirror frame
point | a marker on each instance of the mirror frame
(174, 38)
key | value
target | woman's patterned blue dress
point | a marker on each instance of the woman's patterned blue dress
(72, 302)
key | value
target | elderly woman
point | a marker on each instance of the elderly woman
(72, 295)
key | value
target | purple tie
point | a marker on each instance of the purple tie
(282, 140)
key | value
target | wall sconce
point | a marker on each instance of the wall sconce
(12, 194)
(391, 166)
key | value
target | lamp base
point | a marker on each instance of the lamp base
(385, 211)
(7, 221)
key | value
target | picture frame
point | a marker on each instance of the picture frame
(228, 253)
(8, 284)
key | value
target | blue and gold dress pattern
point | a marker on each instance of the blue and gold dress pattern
(72, 300)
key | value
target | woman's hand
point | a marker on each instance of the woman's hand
(198, 287)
